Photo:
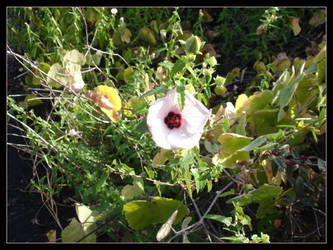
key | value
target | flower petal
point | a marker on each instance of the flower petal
(180, 138)
(195, 114)
(156, 125)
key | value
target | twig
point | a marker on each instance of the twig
(201, 219)
(200, 222)
(309, 234)
(108, 53)
(218, 193)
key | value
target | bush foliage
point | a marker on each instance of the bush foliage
(97, 71)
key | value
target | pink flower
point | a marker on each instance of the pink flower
(172, 128)
(114, 11)
(73, 133)
(163, 34)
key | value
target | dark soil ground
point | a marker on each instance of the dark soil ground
(27, 219)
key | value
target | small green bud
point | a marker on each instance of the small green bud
(212, 61)
(259, 66)
(219, 80)
(220, 90)
(193, 44)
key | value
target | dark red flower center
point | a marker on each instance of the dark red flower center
(173, 120)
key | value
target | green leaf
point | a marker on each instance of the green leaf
(231, 75)
(32, 101)
(267, 208)
(265, 191)
(44, 67)
(312, 69)
(177, 67)
(141, 127)
(140, 214)
(101, 182)
(180, 88)
(319, 17)
(128, 75)
(159, 89)
(229, 154)
(166, 64)
(256, 143)
(230, 192)
(130, 191)
(287, 93)
(263, 121)
(51, 236)
(220, 218)
(185, 164)
(240, 128)
(211, 147)
(258, 195)
(150, 172)
(258, 101)
(200, 179)
(321, 71)
(240, 102)
(147, 35)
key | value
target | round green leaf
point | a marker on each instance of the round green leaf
(140, 214)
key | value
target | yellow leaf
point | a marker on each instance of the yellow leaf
(241, 100)
(115, 100)
(85, 215)
(295, 25)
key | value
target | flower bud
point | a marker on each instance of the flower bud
(163, 34)
(193, 44)
(259, 66)
(219, 80)
(220, 90)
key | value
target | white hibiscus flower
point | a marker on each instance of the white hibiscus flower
(172, 128)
